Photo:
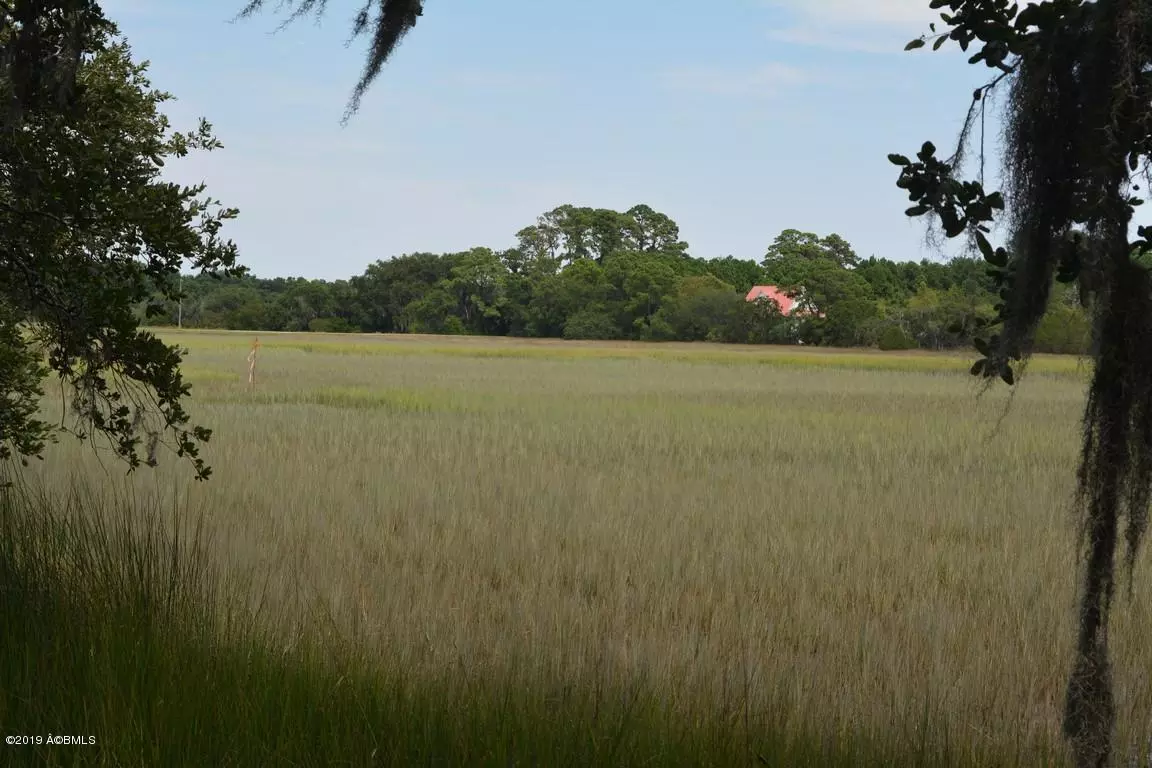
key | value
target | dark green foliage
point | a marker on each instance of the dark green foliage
(89, 233)
(886, 280)
(388, 287)
(42, 44)
(656, 294)
(792, 246)
(569, 233)
(852, 321)
(1065, 328)
(591, 323)
(703, 309)
(894, 338)
(766, 325)
(330, 325)
(1078, 110)
(21, 374)
(741, 274)
(640, 284)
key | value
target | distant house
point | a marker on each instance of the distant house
(787, 304)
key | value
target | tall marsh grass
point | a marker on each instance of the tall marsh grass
(413, 345)
(627, 559)
(118, 632)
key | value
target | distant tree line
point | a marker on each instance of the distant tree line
(585, 273)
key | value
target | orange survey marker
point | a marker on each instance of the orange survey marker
(252, 363)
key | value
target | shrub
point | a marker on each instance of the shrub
(330, 325)
(895, 338)
(1064, 330)
(591, 324)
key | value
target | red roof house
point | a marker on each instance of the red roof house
(787, 304)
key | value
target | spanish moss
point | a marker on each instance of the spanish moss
(1077, 116)
(1077, 144)
(384, 21)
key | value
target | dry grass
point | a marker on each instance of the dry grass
(832, 542)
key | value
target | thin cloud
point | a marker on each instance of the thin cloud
(766, 80)
(501, 80)
(874, 13)
(150, 10)
(875, 26)
(840, 41)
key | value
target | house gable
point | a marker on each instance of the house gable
(787, 304)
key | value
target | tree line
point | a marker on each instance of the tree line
(587, 273)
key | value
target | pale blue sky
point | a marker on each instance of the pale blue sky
(737, 118)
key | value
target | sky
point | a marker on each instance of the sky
(737, 118)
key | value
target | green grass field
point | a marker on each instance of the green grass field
(427, 550)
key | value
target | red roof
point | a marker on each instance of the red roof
(787, 304)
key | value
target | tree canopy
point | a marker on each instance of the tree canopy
(88, 229)
(631, 289)
(43, 44)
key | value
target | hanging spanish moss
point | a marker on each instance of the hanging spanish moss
(385, 21)
(1077, 140)
(1076, 107)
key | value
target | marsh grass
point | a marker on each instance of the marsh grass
(624, 558)
(407, 345)
(118, 629)
(389, 400)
